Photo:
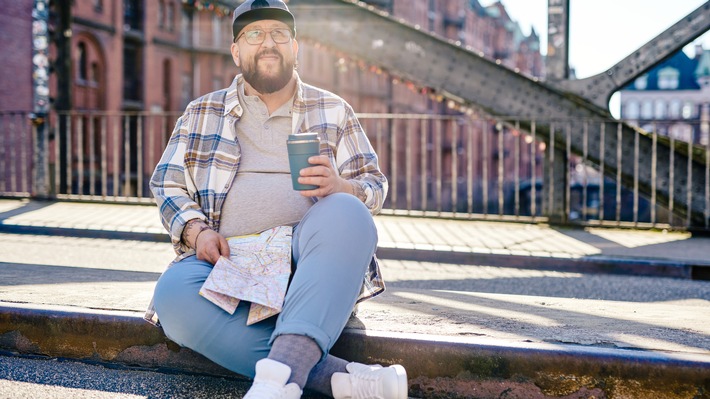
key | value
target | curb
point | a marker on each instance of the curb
(83, 233)
(588, 264)
(438, 366)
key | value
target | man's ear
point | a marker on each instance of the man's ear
(234, 49)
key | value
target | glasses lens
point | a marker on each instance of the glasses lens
(281, 35)
(258, 36)
(255, 36)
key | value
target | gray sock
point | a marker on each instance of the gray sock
(319, 380)
(298, 352)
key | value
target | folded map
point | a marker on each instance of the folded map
(257, 271)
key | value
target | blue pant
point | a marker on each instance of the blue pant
(332, 246)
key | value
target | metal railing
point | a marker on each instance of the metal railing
(452, 166)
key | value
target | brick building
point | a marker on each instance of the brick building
(157, 55)
(16, 62)
(154, 56)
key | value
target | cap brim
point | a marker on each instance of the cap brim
(261, 14)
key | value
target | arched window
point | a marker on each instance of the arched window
(95, 72)
(641, 82)
(687, 112)
(668, 78)
(675, 109)
(660, 111)
(647, 109)
(83, 63)
(632, 110)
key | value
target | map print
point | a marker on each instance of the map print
(257, 271)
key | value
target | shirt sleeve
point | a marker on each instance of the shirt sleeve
(173, 188)
(357, 161)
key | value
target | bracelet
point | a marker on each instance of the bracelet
(203, 228)
(188, 227)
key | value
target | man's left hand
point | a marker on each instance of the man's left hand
(323, 175)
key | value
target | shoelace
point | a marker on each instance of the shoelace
(366, 384)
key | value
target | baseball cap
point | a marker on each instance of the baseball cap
(256, 10)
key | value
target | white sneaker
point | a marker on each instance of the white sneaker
(370, 382)
(270, 382)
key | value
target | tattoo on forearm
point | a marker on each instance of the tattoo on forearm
(358, 191)
(192, 225)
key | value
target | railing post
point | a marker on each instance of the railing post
(40, 162)
(556, 180)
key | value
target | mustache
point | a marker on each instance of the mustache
(269, 52)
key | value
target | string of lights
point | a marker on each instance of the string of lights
(222, 10)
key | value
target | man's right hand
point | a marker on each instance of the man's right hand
(210, 245)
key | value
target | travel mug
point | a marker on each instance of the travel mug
(300, 148)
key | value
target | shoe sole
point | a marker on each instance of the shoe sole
(402, 388)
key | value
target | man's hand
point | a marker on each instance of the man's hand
(323, 175)
(210, 245)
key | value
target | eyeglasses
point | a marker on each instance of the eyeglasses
(257, 36)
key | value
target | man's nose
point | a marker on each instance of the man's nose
(268, 41)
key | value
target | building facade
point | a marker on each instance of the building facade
(134, 60)
(673, 98)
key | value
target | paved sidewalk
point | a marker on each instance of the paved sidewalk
(494, 299)
(403, 234)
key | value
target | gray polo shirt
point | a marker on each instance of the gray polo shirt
(261, 196)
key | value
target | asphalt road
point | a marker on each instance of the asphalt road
(41, 378)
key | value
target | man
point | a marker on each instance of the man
(225, 173)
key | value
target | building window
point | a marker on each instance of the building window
(132, 72)
(132, 15)
(161, 14)
(675, 109)
(167, 84)
(98, 5)
(83, 67)
(186, 92)
(185, 28)
(660, 110)
(641, 82)
(668, 78)
(647, 109)
(217, 31)
(95, 72)
(170, 16)
(687, 112)
(632, 110)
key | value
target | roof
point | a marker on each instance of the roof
(679, 61)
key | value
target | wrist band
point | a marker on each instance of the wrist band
(203, 228)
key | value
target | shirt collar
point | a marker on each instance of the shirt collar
(231, 101)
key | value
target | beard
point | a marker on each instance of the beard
(271, 83)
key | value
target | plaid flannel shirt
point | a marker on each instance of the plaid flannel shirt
(201, 159)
